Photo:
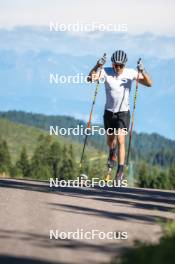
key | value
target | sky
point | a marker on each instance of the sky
(140, 15)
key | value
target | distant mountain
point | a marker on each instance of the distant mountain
(153, 148)
(28, 55)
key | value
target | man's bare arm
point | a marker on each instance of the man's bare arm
(146, 80)
(94, 74)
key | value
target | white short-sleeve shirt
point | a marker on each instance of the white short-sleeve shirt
(118, 88)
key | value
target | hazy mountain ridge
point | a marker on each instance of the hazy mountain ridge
(25, 69)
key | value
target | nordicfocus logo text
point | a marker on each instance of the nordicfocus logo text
(55, 78)
(81, 234)
(79, 130)
(87, 183)
(79, 26)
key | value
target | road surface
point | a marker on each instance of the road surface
(30, 209)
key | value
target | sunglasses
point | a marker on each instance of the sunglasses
(119, 65)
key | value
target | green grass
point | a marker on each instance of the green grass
(18, 135)
(161, 253)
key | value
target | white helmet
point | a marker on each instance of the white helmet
(119, 56)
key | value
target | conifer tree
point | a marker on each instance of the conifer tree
(23, 163)
(5, 159)
(55, 158)
(68, 166)
(40, 164)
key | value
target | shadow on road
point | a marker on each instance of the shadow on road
(137, 198)
(7, 259)
(25, 185)
(105, 194)
(107, 214)
(44, 241)
(132, 197)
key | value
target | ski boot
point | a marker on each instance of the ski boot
(110, 164)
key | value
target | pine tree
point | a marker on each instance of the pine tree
(40, 164)
(5, 159)
(85, 166)
(23, 163)
(97, 168)
(68, 166)
(55, 158)
(171, 176)
(162, 180)
(73, 163)
(143, 180)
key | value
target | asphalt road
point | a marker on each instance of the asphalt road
(30, 209)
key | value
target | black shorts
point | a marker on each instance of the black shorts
(116, 120)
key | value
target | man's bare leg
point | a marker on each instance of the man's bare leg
(121, 149)
(111, 141)
(121, 154)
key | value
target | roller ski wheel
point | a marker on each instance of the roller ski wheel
(108, 176)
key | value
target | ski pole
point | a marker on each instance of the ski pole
(133, 113)
(89, 121)
(102, 62)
